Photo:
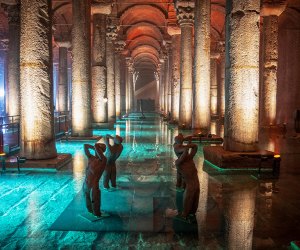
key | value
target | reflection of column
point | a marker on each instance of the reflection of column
(242, 75)
(99, 105)
(36, 83)
(185, 15)
(221, 80)
(13, 63)
(62, 98)
(213, 88)
(81, 69)
(175, 78)
(239, 203)
(111, 35)
(119, 46)
(270, 60)
(202, 65)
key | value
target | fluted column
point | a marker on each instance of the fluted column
(119, 46)
(99, 101)
(270, 13)
(162, 84)
(13, 64)
(111, 35)
(81, 69)
(242, 75)
(63, 76)
(36, 83)
(129, 81)
(202, 66)
(185, 15)
(175, 78)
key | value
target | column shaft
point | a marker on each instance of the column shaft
(185, 113)
(213, 88)
(81, 68)
(176, 77)
(166, 83)
(270, 58)
(13, 67)
(110, 63)
(202, 65)
(99, 105)
(36, 83)
(242, 75)
(118, 85)
(63, 80)
(221, 87)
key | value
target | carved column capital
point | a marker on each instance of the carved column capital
(119, 46)
(63, 44)
(111, 29)
(129, 64)
(272, 8)
(185, 12)
(101, 8)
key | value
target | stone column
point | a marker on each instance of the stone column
(270, 13)
(221, 80)
(166, 81)
(242, 75)
(111, 35)
(213, 87)
(202, 66)
(63, 76)
(36, 83)
(239, 204)
(13, 64)
(185, 15)
(162, 84)
(175, 78)
(129, 81)
(99, 103)
(119, 46)
(81, 69)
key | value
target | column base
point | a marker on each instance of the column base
(223, 159)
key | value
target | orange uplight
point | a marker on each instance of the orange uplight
(276, 156)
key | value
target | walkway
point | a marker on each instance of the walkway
(42, 210)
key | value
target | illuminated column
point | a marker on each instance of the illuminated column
(162, 85)
(170, 81)
(242, 75)
(111, 35)
(239, 214)
(270, 12)
(202, 66)
(81, 69)
(36, 83)
(13, 60)
(221, 80)
(63, 76)
(129, 82)
(99, 101)
(119, 46)
(166, 81)
(157, 77)
(213, 87)
(175, 77)
(185, 15)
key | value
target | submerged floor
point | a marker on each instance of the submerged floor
(236, 211)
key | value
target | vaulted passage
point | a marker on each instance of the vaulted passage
(225, 72)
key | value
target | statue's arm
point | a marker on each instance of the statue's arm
(87, 148)
(182, 158)
(194, 149)
(100, 152)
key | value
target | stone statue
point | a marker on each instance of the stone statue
(94, 170)
(187, 170)
(112, 154)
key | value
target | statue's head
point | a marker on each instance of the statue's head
(118, 139)
(179, 138)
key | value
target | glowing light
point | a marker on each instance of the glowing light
(2, 92)
(276, 156)
(105, 99)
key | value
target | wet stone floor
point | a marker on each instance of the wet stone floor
(44, 210)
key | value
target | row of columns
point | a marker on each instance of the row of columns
(241, 105)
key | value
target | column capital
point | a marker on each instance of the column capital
(119, 46)
(274, 8)
(63, 44)
(101, 8)
(129, 64)
(185, 12)
(112, 29)
(4, 44)
(220, 47)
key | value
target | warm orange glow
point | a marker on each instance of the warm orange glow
(276, 156)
